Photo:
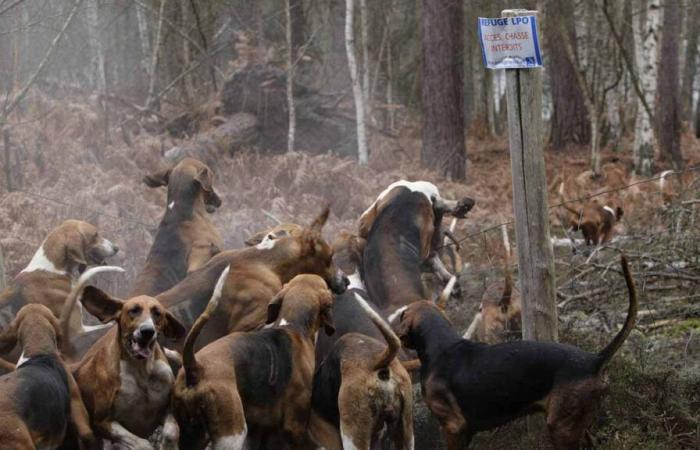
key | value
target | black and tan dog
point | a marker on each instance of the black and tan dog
(472, 387)
(402, 230)
(56, 265)
(359, 361)
(186, 237)
(125, 378)
(362, 394)
(259, 381)
(257, 274)
(40, 401)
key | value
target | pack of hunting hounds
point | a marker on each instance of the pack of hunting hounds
(293, 342)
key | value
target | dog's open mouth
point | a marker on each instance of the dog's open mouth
(141, 350)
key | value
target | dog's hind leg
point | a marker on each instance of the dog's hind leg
(225, 418)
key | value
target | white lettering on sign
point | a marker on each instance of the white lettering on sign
(510, 42)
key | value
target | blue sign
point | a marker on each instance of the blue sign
(510, 42)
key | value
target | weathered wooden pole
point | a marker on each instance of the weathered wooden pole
(3, 281)
(535, 255)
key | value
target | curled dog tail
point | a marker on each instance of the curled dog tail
(382, 360)
(609, 351)
(189, 362)
(76, 292)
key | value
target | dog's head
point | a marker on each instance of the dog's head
(347, 251)
(140, 320)
(307, 252)
(306, 302)
(78, 244)
(413, 317)
(268, 235)
(35, 329)
(187, 181)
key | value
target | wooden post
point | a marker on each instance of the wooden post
(3, 281)
(535, 255)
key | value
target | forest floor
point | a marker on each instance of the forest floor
(62, 168)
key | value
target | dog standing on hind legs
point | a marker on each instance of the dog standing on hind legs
(471, 387)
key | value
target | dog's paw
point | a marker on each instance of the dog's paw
(463, 207)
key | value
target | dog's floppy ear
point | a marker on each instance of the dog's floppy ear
(173, 328)
(205, 179)
(275, 306)
(75, 247)
(320, 221)
(327, 320)
(157, 179)
(8, 338)
(402, 329)
(256, 238)
(100, 304)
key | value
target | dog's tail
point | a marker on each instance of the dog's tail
(609, 351)
(76, 292)
(189, 362)
(441, 300)
(382, 360)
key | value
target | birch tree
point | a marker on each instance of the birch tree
(597, 75)
(155, 56)
(362, 151)
(97, 49)
(646, 57)
(290, 78)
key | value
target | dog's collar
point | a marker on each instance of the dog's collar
(610, 210)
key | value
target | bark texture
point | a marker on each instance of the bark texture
(570, 123)
(668, 115)
(443, 109)
(646, 55)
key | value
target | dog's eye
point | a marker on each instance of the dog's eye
(135, 311)
(155, 313)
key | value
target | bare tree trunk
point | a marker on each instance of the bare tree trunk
(490, 102)
(3, 279)
(365, 60)
(155, 56)
(145, 41)
(570, 123)
(668, 116)
(443, 109)
(9, 107)
(205, 43)
(290, 78)
(697, 118)
(690, 68)
(362, 153)
(187, 82)
(8, 159)
(391, 111)
(646, 53)
(93, 19)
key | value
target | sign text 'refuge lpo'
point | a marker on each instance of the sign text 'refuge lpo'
(510, 42)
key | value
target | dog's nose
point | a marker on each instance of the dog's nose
(147, 332)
